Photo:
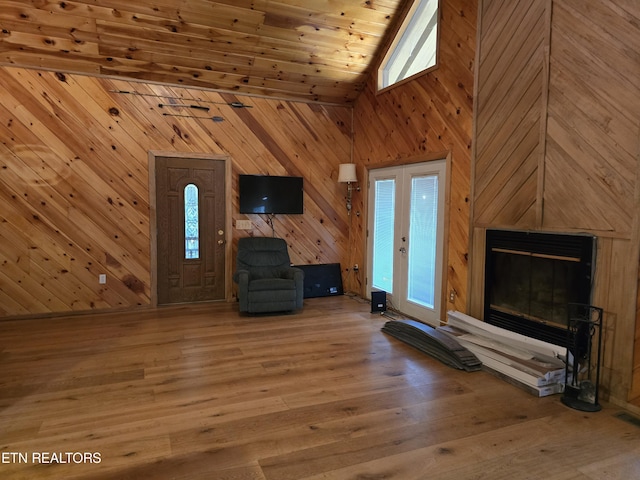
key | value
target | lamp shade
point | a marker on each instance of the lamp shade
(347, 173)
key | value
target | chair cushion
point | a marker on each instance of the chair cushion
(270, 284)
(267, 272)
(265, 296)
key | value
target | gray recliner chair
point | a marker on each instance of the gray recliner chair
(266, 280)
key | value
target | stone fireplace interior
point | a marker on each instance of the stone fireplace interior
(532, 277)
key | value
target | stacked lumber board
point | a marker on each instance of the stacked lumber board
(533, 365)
(432, 342)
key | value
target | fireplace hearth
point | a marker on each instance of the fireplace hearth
(531, 278)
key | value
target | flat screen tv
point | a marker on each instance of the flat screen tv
(270, 194)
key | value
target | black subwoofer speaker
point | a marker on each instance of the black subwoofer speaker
(378, 301)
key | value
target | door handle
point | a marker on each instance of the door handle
(220, 242)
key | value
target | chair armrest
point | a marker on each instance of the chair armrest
(291, 273)
(298, 277)
(241, 277)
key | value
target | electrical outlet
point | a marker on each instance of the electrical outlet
(243, 224)
(102, 278)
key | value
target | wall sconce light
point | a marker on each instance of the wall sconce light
(347, 174)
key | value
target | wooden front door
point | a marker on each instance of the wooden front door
(190, 219)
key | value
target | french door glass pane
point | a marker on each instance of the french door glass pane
(423, 228)
(383, 233)
(191, 222)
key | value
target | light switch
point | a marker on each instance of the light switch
(243, 224)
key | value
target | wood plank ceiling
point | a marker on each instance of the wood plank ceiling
(310, 50)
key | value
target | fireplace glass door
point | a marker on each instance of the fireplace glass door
(535, 286)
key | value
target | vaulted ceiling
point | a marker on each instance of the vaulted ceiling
(310, 50)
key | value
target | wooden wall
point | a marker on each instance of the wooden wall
(74, 186)
(557, 130)
(425, 119)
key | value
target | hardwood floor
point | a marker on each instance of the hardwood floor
(200, 392)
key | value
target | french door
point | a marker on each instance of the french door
(405, 242)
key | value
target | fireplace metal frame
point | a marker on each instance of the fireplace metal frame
(581, 246)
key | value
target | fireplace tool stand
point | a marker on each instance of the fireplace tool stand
(582, 367)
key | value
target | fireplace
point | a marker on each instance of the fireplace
(531, 277)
